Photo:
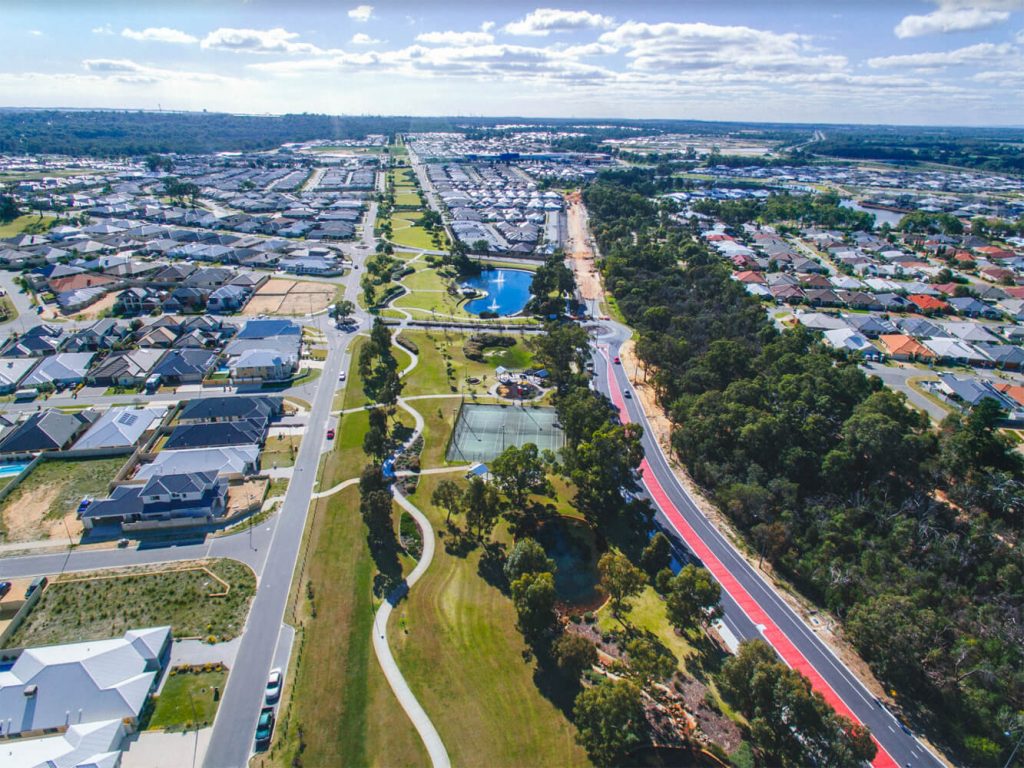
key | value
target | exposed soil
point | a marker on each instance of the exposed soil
(290, 297)
(581, 255)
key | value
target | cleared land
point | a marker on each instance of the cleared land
(456, 641)
(280, 451)
(49, 496)
(187, 700)
(204, 599)
(290, 297)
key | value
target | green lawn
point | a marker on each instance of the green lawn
(280, 451)
(439, 347)
(187, 701)
(54, 489)
(404, 231)
(457, 644)
(340, 698)
(410, 199)
(16, 226)
(187, 596)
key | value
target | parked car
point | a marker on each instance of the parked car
(617, 361)
(330, 434)
(264, 728)
(122, 543)
(274, 685)
(37, 583)
(5, 587)
(84, 504)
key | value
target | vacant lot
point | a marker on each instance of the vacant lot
(290, 297)
(207, 599)
(49, 496)
(280, 451)
(187, 700)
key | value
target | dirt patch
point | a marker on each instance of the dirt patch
(23, 520)
(248, 494)
(290, 297)
(95, 310)
(581, 255)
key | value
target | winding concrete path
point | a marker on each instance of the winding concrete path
(431, 738)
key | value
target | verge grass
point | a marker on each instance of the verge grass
(187, 701)
(339, 696)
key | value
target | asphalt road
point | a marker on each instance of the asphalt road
(752, 607)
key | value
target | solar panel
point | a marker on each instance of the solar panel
(128, 419)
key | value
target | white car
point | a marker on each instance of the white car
(341, 376)
(274, 682)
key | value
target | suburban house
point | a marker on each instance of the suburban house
(126, 369)
(120, 427)
(229, 461)
(259, 366)
(234, 408)
(899, 346)
(45, 431)
(54, 686)
(193, 497)
(66, 369)
(280, 341)
(185, 366)
(12, 371)
(213, 434)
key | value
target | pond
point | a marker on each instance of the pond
(572, 545)
(881, 216)
(507, 290)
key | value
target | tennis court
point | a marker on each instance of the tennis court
(484, 431)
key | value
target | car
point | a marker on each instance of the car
(84, 504)
(330, 434)
(617, 361)
(274, 681)
(122, 543)
(5, 587)
(628, 395)
(265, 727)
(905, 729)
(341, 376)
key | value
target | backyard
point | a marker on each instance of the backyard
(204, 599)
(48, 498)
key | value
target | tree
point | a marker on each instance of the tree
(375, 441)
(9, 210)
(449, 497)
(649, 661)
(480, 246)
(604, 466)
(518, 472)
(610, 719)
(343, 309)
(563, 350)
(527, 556)
(533, 595)
(693, 598)
(656, 555)
(790, 723)
(574, 654)
(482, 506)
(620, 579)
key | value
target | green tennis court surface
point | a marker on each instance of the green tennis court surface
(484, 431)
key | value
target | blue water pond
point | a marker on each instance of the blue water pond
(508, 290)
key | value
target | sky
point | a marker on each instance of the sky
(911, 62)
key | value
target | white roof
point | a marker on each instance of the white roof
(847, 338)
(80, 746)
(65, 366)
(120, 426)
(81, 682)
(13, 369)
(227, 460)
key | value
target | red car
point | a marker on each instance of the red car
(330, 434)
(617, 361)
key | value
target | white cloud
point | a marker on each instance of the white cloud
(487, 26)
(361, 38)
(131, 72)
(36, 32)
(276, 40)
(1020, 37)
(159, 35)
(361, 12)
(106, 29)
(688, 47)
(982, 53)
(455, 38)
(544, 21)
(957, 16)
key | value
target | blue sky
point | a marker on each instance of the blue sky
(914, 62)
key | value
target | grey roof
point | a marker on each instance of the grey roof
(119, 427)
(45, 430)
(187, 482)
(224, 460)
(226, 408)
(66, 367)
(209, 434)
